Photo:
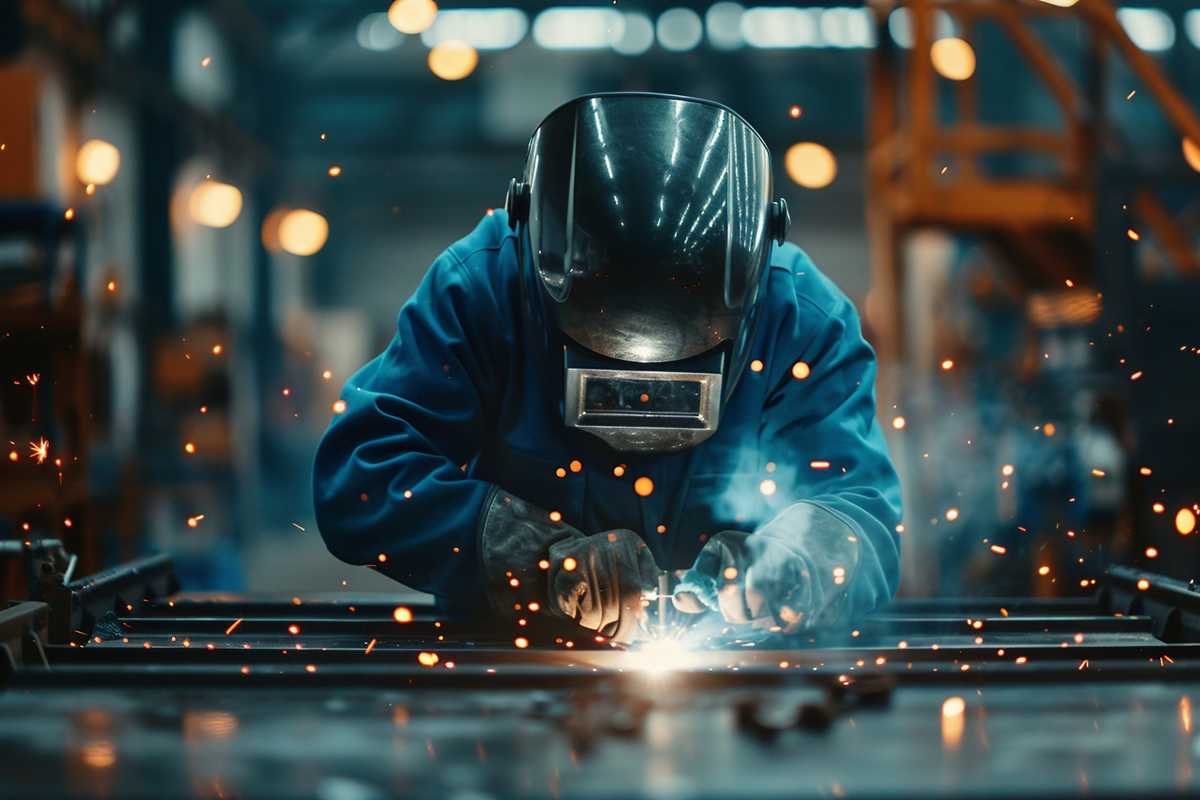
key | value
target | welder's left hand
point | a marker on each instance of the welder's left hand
(791, 573)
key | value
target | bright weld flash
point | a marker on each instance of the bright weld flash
(659, 657)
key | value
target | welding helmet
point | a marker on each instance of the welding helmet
(644, 225)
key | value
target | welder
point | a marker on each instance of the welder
(627, 370)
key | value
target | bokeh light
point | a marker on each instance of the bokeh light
(412, 16)
(303, 232)
(453, 60)
(1191, 154)
(97, 162)
(953, 58)
(215, 204)
(811, 165)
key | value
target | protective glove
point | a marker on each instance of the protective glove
(793, 573)
(594, 581)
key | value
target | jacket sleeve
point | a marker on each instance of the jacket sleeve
(820, 429)
(390, 486)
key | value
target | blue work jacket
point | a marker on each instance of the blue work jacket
(465, 399)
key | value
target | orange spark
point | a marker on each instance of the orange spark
(756, 365)
(819, 464)
(899, 423)
(569, 564)
(556, 516)
(370, 647)
(999, 549)
(234, 626)
(521, 642)
(1133, 235)
(801, 370)
(40, 450)
(643, 486)
(1143, 584)
(427, 659)
(334, 171)
(402, 614)
(767, 487)
(576, 465)
(293, 629)
(947, 365)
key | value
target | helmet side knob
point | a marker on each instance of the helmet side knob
(516, 202)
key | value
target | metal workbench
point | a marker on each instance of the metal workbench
(115, 687)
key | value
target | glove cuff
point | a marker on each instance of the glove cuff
(514, 536)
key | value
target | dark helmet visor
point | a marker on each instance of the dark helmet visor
(649, 224)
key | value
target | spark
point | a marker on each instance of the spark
(801, 370)
(756, 365)
(206, 61)
(1133, 235)
(402, 614)
(1143, 584)
(1083, 665)
(767, 487)
(953, 706)
(13, 455)
(40, 450)
(1022, 659)
(661, 528)
(619, 470)
(293, 629)
(33, 378)
(899, 423)
(193, 522)
(1185, 521)
(298, 526)
(795, 111)
(1007, 470)
(339, 406)
(111, 286)
(326, 375)
(310, 668)
(1151, 552)
(576, 465)
(234, 626)
(569, 564)
(370, 647)
(560, 472)
(1043, 570)
(1097, 472)
(217, 349)
(951, 514)
(999, 549)
(947, 365)
(1145, 471)
(69, 214)
(427, 659)
(335, 170)
(556, 516)
(1129, 96)
(1136, 376)
(1157, 508)
(643, 486)
(189, 448)
(1049, 429)
(818, 464)
(521, 642)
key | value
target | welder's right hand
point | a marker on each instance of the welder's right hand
(532, 562)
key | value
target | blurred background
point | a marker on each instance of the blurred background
(212, 210)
